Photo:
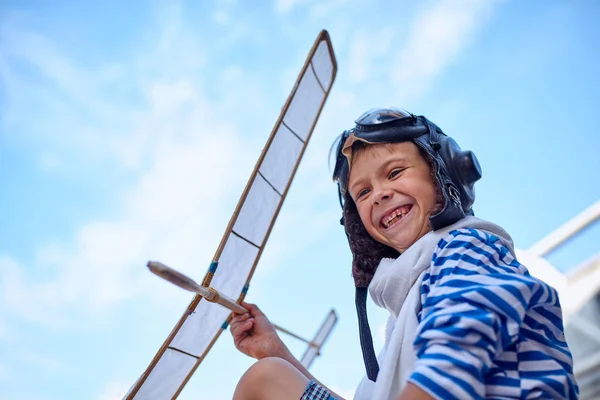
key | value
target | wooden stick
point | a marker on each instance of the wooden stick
(209, 293)
(308, 342)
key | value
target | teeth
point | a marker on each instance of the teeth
(393, 217)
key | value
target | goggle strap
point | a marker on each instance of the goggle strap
(366, 340)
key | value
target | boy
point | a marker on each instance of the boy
(466, 319)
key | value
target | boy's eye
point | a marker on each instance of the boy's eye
(362, 193)
(395, 172)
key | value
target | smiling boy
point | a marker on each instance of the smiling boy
(466, 320)
(394, 211)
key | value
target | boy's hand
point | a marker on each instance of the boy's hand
(255, 336)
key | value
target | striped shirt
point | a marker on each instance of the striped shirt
(487, 328)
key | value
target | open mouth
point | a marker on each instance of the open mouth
(395, 216)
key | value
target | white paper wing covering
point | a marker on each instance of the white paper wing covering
(247, 233)
(322, 334)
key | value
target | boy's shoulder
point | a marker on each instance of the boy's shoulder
(476, 248)
(464, 238)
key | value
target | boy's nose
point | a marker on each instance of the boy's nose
(381, 195)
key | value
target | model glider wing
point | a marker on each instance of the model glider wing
(314, 347)
(246, 235)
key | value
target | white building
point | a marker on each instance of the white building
(579, 291)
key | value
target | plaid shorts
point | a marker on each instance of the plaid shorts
(314, 391)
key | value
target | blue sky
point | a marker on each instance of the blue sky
(127, 133)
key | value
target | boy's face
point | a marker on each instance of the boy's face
(392, 187)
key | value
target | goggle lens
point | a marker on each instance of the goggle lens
(378, 116)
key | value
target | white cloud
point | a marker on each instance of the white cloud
(322, 9)
(191, 165)
(31, 47)
(359, 62)
(45, 362)
(437, 36)
(369, 50)
(188, 182)
(168, 215)
(221, 17)
(3, 330)
(49, 162)
(73, 120)
(4, 373)
(113, 391)
(285, 6)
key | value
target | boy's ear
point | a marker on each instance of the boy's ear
(366, 251)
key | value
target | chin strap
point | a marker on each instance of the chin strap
(366, 340)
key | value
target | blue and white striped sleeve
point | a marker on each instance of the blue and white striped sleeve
(476, 296)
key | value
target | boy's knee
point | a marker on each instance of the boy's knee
(271, 378)
(260, 375)
(267, 369)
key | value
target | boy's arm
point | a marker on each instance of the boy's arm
(478, 295)
(254, 335)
